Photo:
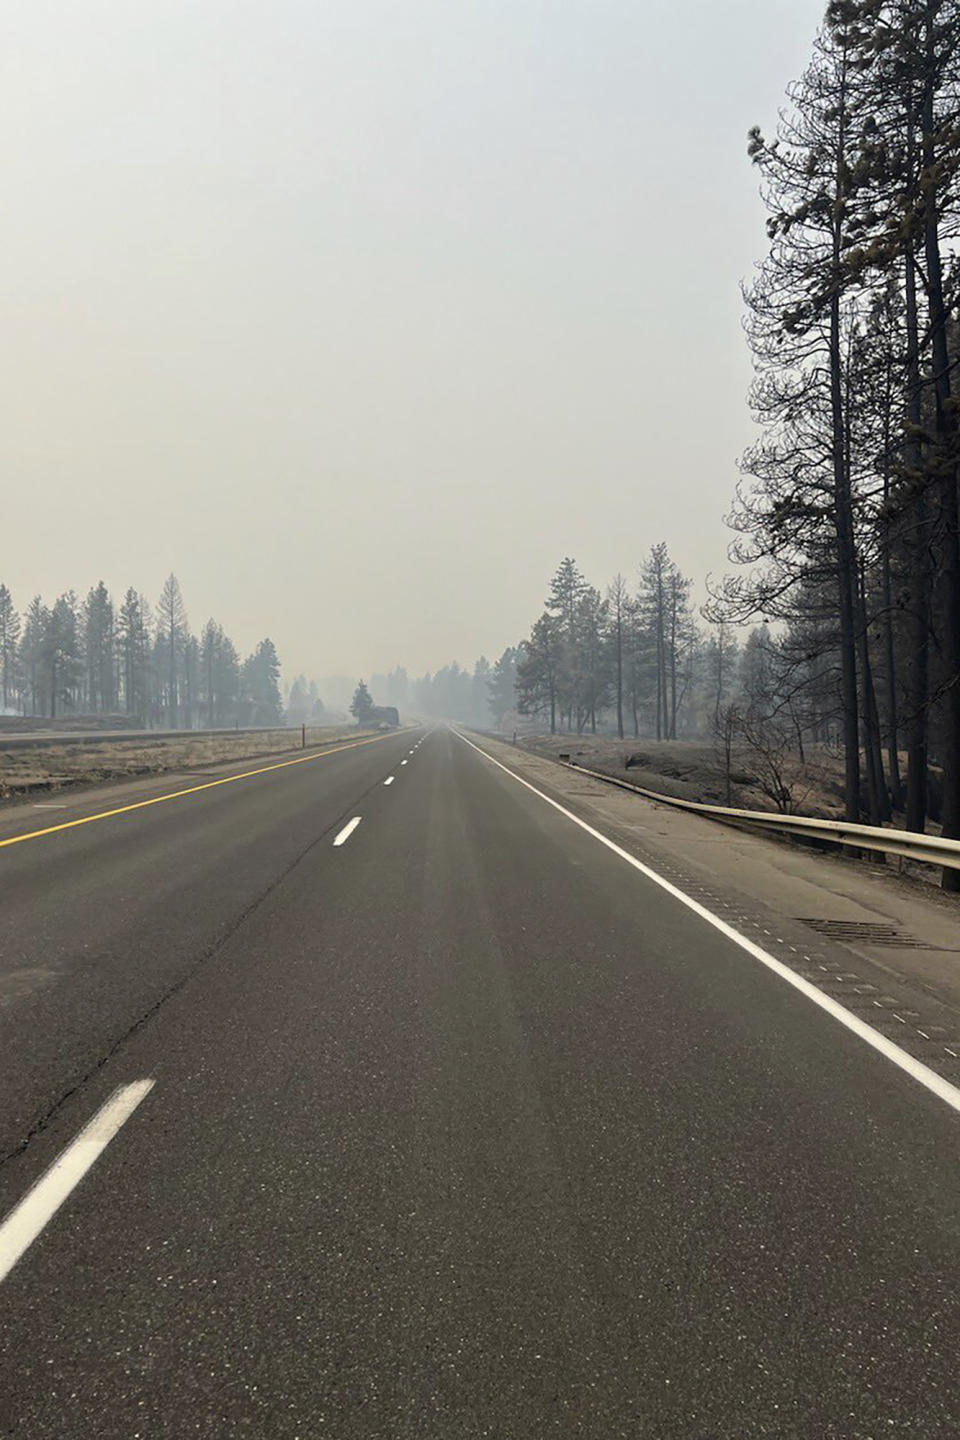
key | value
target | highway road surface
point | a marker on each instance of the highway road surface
(372, 1095)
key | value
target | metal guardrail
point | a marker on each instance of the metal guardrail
(926, 849)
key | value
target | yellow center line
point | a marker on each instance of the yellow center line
(191, 790)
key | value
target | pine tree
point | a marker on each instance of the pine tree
(362, 706)
(590, 659)
(398, 687)
(9, 639)
(60, 655)
(191, 679)
(538, 670)
(567, 589)
(99, 641)
(501, 684)
(618, 599)
(261, 685)
(171, 638)
(798, 516)
(299, 707)
(32, 657)
(913, 50)
(722, 659)
(133, 641)
(480, 693)
(655, 584)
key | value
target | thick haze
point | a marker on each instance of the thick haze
(359, 315)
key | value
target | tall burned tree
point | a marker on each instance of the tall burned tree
(563, 605)
(99, 641)
(501, 683)
(538, 670)
(60, 655)
(589, 660)
(680, 637)
(211, 641)
(172, 633)
(909, 166)
(133, 640)
(260, 685)
(665, 616)
(795, 513)
(889, 255)
(618, 602)
(35, 626)
(654, 601)
(853, 488)
(9, 639)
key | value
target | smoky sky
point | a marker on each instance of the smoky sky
(359, 315)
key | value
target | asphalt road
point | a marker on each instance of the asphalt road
(459, 1128)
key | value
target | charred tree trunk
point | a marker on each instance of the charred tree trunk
(846, 557)
(878, 803)
(917, 545)
(886, 580)
(947, 518)
(620, 677)
(846, 562)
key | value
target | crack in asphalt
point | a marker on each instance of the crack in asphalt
(39, 1125)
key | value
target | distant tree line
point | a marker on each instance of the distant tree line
(635, 661)
(626, 662)
(304, 705)
(479, 696)
(848, 515)
(94, 657)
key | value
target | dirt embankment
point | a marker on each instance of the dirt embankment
(696, 770)
(26, 771)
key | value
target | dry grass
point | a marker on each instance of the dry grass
(694, 770)
(27, 771)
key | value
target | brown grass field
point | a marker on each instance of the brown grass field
(26, 771)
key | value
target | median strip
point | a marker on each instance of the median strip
(190, 790)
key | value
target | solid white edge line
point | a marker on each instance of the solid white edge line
(916, 1069)
(389, 780)
(347, 830)
(43, 1200)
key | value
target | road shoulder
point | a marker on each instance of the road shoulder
(771, 891)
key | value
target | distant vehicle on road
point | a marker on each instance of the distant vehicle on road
(385, 717)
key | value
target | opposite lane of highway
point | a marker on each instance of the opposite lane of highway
(99, 922)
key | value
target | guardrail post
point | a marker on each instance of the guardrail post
(303, 737)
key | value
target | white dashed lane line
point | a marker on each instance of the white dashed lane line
(348, 830)
(41, 1203)
(28, 1219)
